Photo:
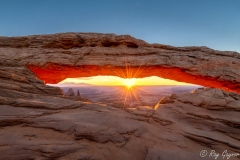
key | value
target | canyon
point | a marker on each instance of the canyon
(38, 122)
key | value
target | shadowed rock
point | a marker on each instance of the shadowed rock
(78, 94)
(70, 92)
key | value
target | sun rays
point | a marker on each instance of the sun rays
(127, 85)
(129, 93)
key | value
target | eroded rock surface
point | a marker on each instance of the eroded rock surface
(56, 57)
(38, 122)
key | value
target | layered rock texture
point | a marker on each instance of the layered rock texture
(38, 122)
(56, 57)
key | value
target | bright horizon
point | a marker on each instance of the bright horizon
(117, 81)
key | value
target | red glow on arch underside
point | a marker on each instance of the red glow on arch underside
(56, 73)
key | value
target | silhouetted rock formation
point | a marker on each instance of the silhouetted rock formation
(78, 94)
(70, 92)
(71, 95)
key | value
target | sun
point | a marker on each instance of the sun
(129, 82)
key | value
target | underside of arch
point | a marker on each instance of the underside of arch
(55, 73)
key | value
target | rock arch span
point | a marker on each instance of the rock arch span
(58, 56)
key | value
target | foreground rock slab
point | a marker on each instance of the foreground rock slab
(178, 127)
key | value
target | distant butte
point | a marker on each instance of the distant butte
(58, 56)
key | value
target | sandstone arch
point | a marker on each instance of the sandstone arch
(58, 56)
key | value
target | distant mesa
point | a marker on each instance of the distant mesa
(70, 92)
(75, 96)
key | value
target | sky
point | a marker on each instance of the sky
(211, 23)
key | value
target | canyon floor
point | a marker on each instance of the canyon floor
(121, 96)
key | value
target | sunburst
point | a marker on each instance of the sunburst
(129, 82)
(128, 93)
